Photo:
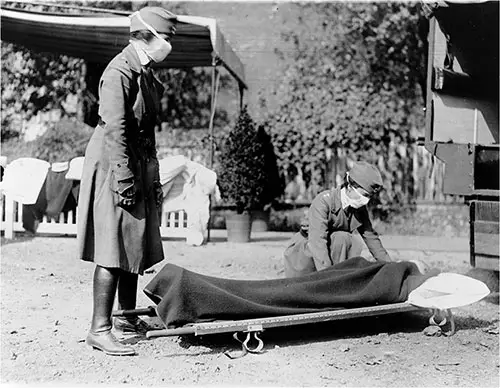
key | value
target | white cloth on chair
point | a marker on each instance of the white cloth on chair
(174, 178)
(23, 179)
(75, 168)
(187, 186)
(202, 185)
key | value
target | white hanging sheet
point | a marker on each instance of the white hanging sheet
(23, 179)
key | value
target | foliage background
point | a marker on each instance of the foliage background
(353, 83)
(33, 83)
(325, 79)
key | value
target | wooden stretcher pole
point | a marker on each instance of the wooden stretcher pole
(171, 332)
(260, 324)
(149, 311)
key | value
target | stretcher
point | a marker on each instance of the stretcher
(437, 294)
(252, 343)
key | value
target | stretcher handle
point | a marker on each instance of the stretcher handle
(149, 311)
(170, 332)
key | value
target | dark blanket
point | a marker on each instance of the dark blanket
(185, 297)
(57, 195)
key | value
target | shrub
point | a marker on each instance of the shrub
(66, 140)
(241, 172)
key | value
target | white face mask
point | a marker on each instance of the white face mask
(359, 199)
(158, 48)
(354, 199)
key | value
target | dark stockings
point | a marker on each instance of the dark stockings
(127, 290)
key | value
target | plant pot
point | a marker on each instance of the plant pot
(260, 220)
(238, 227)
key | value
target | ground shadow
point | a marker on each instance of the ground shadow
(270, 238)
(493, 298)
(259, 239)
(18, 238)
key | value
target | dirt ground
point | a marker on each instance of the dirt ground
(46, 309)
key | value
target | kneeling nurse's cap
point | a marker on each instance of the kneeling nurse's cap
(367, 176)
(157, 17)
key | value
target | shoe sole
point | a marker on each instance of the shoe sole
(131, 353)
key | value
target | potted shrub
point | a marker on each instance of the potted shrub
(241, 176)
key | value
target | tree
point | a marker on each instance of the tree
(352, 82)
(35, 82)
(274, 185)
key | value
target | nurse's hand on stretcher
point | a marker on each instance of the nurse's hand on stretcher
(422, 267)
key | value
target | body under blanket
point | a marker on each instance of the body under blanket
(184, 297)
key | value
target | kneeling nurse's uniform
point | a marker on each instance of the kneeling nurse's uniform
(326, 238)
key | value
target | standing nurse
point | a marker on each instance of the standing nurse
(120, 194)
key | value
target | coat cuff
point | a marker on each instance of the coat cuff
(122, 172)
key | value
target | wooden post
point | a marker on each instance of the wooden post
(9, 217)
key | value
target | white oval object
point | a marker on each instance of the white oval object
(448, 290)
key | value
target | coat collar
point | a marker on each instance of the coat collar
(132, 58)
(336, 201)
(337, 207)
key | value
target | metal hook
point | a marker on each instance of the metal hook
(446, 316)
(437, 314)
(243, 352)
(244, 345)
(260, 344)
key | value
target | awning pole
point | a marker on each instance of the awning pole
(213, 103)
(213, 100)
(242, 91)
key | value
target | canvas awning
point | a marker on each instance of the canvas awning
(98, 39)
(198, 42)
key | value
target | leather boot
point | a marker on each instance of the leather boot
(127, 298)
(100, 336)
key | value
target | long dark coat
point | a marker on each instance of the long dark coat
(122, 147)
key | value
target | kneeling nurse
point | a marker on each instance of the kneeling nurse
(326, 236)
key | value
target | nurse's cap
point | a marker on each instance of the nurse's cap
(157, 17)
(367, 176)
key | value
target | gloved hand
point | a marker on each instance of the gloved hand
(422, 267)
(158, 191)
(127, 193)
